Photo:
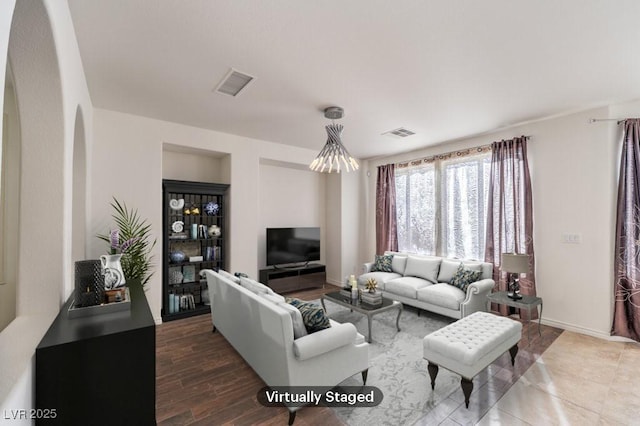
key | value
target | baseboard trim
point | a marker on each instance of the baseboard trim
(334, 282)
(584, 330)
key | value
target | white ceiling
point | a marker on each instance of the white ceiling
(444, 69)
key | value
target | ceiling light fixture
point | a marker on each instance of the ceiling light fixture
(334, 152)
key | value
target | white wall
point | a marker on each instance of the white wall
(135, 144)
(194, 167)
(10, 215)
(290, 197)
(574, 173)
(50, 87)
(345, 213)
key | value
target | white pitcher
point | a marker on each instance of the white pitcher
(112, 271)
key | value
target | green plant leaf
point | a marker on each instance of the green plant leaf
(137, 259)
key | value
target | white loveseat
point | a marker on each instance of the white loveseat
(254, 321)
(423, 282)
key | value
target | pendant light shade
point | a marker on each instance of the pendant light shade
(334, 157)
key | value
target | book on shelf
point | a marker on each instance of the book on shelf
(212, 253)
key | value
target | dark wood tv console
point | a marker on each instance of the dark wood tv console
(285, 280)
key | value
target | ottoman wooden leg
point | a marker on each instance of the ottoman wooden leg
(467, 387)
(433, 372)
(513, 351)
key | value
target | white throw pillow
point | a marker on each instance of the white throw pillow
(423, 267)
(299, 329)
(448, 268)
(398, 264)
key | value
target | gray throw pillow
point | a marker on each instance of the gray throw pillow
(312, 315)
(464, 276)
(382, 263)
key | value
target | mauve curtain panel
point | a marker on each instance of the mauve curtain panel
(626, 317)
(386, 224)
(510, 212)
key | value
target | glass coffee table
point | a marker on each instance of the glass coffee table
(364, 308)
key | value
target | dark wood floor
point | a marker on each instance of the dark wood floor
(202, 380)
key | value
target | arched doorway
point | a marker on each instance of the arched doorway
(34, 61)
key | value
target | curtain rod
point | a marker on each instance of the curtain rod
(464, 151)
(617, 120)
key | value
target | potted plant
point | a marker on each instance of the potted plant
(131, 239)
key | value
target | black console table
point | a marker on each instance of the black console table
(293, 279)
(99, 370)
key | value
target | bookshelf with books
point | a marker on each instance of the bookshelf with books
(194, 239)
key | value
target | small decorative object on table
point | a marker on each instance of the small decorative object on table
(112, 271)
(116, 295)
(89, 283)
(354, 289)
(371, 285)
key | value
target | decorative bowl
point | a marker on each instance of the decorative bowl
(177, 256)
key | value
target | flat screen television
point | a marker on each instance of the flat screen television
(287, 246)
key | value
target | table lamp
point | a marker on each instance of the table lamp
(514, 265)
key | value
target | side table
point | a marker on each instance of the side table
(527, 302)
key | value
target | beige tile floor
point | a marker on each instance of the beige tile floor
(578, 380)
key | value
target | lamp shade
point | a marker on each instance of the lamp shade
(515, 263)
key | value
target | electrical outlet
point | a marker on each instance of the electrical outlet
(571, 238)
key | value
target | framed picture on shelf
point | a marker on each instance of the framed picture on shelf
(175, 275)
(188, 273)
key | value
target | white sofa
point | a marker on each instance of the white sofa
(254, 321)
(422, 281)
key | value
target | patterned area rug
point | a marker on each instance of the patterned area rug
(396, 367)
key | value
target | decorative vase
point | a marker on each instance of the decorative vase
(177, 256)
(112, 271)
(214, 231)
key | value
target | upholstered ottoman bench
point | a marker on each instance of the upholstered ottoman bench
(469, 345)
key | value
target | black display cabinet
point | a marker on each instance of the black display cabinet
(194, 238)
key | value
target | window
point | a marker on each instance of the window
(441, 205)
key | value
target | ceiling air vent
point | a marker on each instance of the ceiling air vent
(233, 83)
(400, 132)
